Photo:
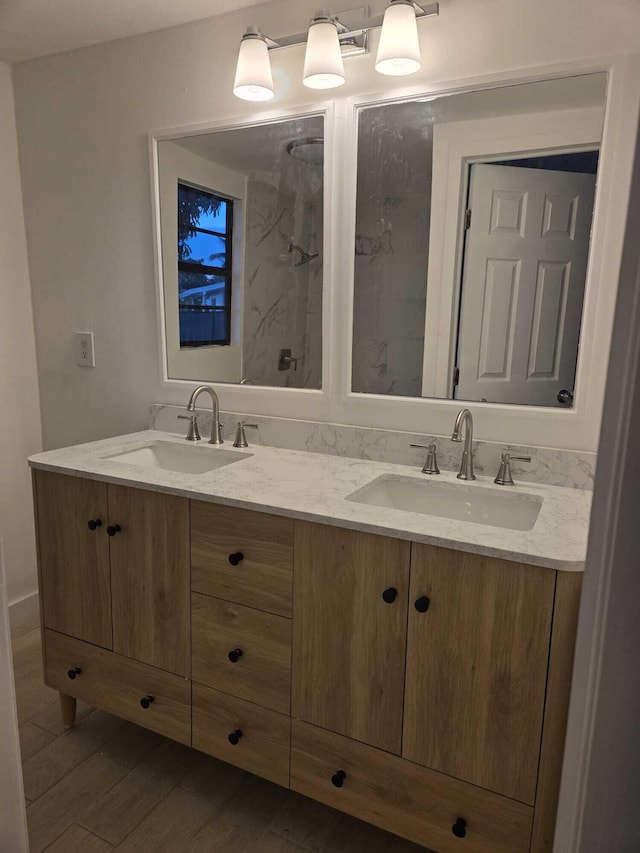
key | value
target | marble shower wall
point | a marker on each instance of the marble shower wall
(391, 252)
(572, 468)
(282, 301)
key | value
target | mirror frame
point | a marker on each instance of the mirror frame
(326, 110)
(575, 429)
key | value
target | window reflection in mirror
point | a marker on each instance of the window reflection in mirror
(473, 218)
(241, 224)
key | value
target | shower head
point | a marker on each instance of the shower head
(309, 150)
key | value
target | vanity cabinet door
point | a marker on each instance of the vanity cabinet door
(150, 577)
(349, 632)
(478, 646)
(75, 583)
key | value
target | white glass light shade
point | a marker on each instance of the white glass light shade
(399, 47)
(253, 72)
(323, 65)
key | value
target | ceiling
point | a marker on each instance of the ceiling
(32, 28)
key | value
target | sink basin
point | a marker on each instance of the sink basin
(167, 456)
(513, 510)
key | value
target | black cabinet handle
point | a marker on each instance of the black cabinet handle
(72, 673)
(236, 558)
(234, 737)
(390, 595)
(235, 655)
(93, 523)
(337, 780)
(112, 529)
(146, 701)
(422, 604)
(459, 828)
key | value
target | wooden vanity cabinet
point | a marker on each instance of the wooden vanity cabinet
(419, 688)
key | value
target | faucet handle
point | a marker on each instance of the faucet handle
(431, 462)
(193, 433)
(241, 439)
(504, 477)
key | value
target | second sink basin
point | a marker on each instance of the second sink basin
(514, 511)
(167, 456)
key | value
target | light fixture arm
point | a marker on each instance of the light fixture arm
(357, 29)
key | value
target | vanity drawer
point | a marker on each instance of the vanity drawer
(262, 576)
(262, 672)
(261, 748)
(117, 684)
(402, 797)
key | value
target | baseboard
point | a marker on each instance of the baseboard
(24, 613)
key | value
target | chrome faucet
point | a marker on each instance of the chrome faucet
(216, 438)
(465, 419)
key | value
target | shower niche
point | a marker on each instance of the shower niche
(240, 246)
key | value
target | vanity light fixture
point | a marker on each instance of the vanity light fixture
(399, 48)
(253, 80)
(323, 65)
(328, 41)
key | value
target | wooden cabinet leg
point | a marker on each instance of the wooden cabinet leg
(68, 709)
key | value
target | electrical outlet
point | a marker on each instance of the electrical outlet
(85, 356)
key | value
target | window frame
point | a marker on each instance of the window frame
(225, 272)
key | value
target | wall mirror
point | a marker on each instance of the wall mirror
(473, 220)
(241, 242)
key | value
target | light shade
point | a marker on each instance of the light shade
(253, 72)
(399, 48)
(323, 65)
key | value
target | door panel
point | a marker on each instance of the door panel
(349, 647)
(476, 668)
(524, 275)
(150, 577)
(74, 560)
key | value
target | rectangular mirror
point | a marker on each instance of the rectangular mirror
(473, 220)
(241, 234)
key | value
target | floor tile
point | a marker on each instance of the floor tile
(69, 800)
(78, 840)
(172, 825)
(33, 739)
(116, 814)
(55, 760)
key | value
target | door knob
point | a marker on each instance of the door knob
(234, 737)
(72, 673)
(235, 655)
(565, 397)
(390, 595)
(422, 604)
(146, 701)
(236, 558)
(93, 523)
(112, 529)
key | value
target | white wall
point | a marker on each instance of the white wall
(20, 411)
(83, 118)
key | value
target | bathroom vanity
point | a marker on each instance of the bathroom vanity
(409, 669)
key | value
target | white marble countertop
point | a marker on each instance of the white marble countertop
(314, 486)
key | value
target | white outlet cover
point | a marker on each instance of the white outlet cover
(85, 356)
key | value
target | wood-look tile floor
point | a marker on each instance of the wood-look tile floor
(106, 784)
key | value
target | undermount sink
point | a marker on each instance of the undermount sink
(167, 456)
(514, 511)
